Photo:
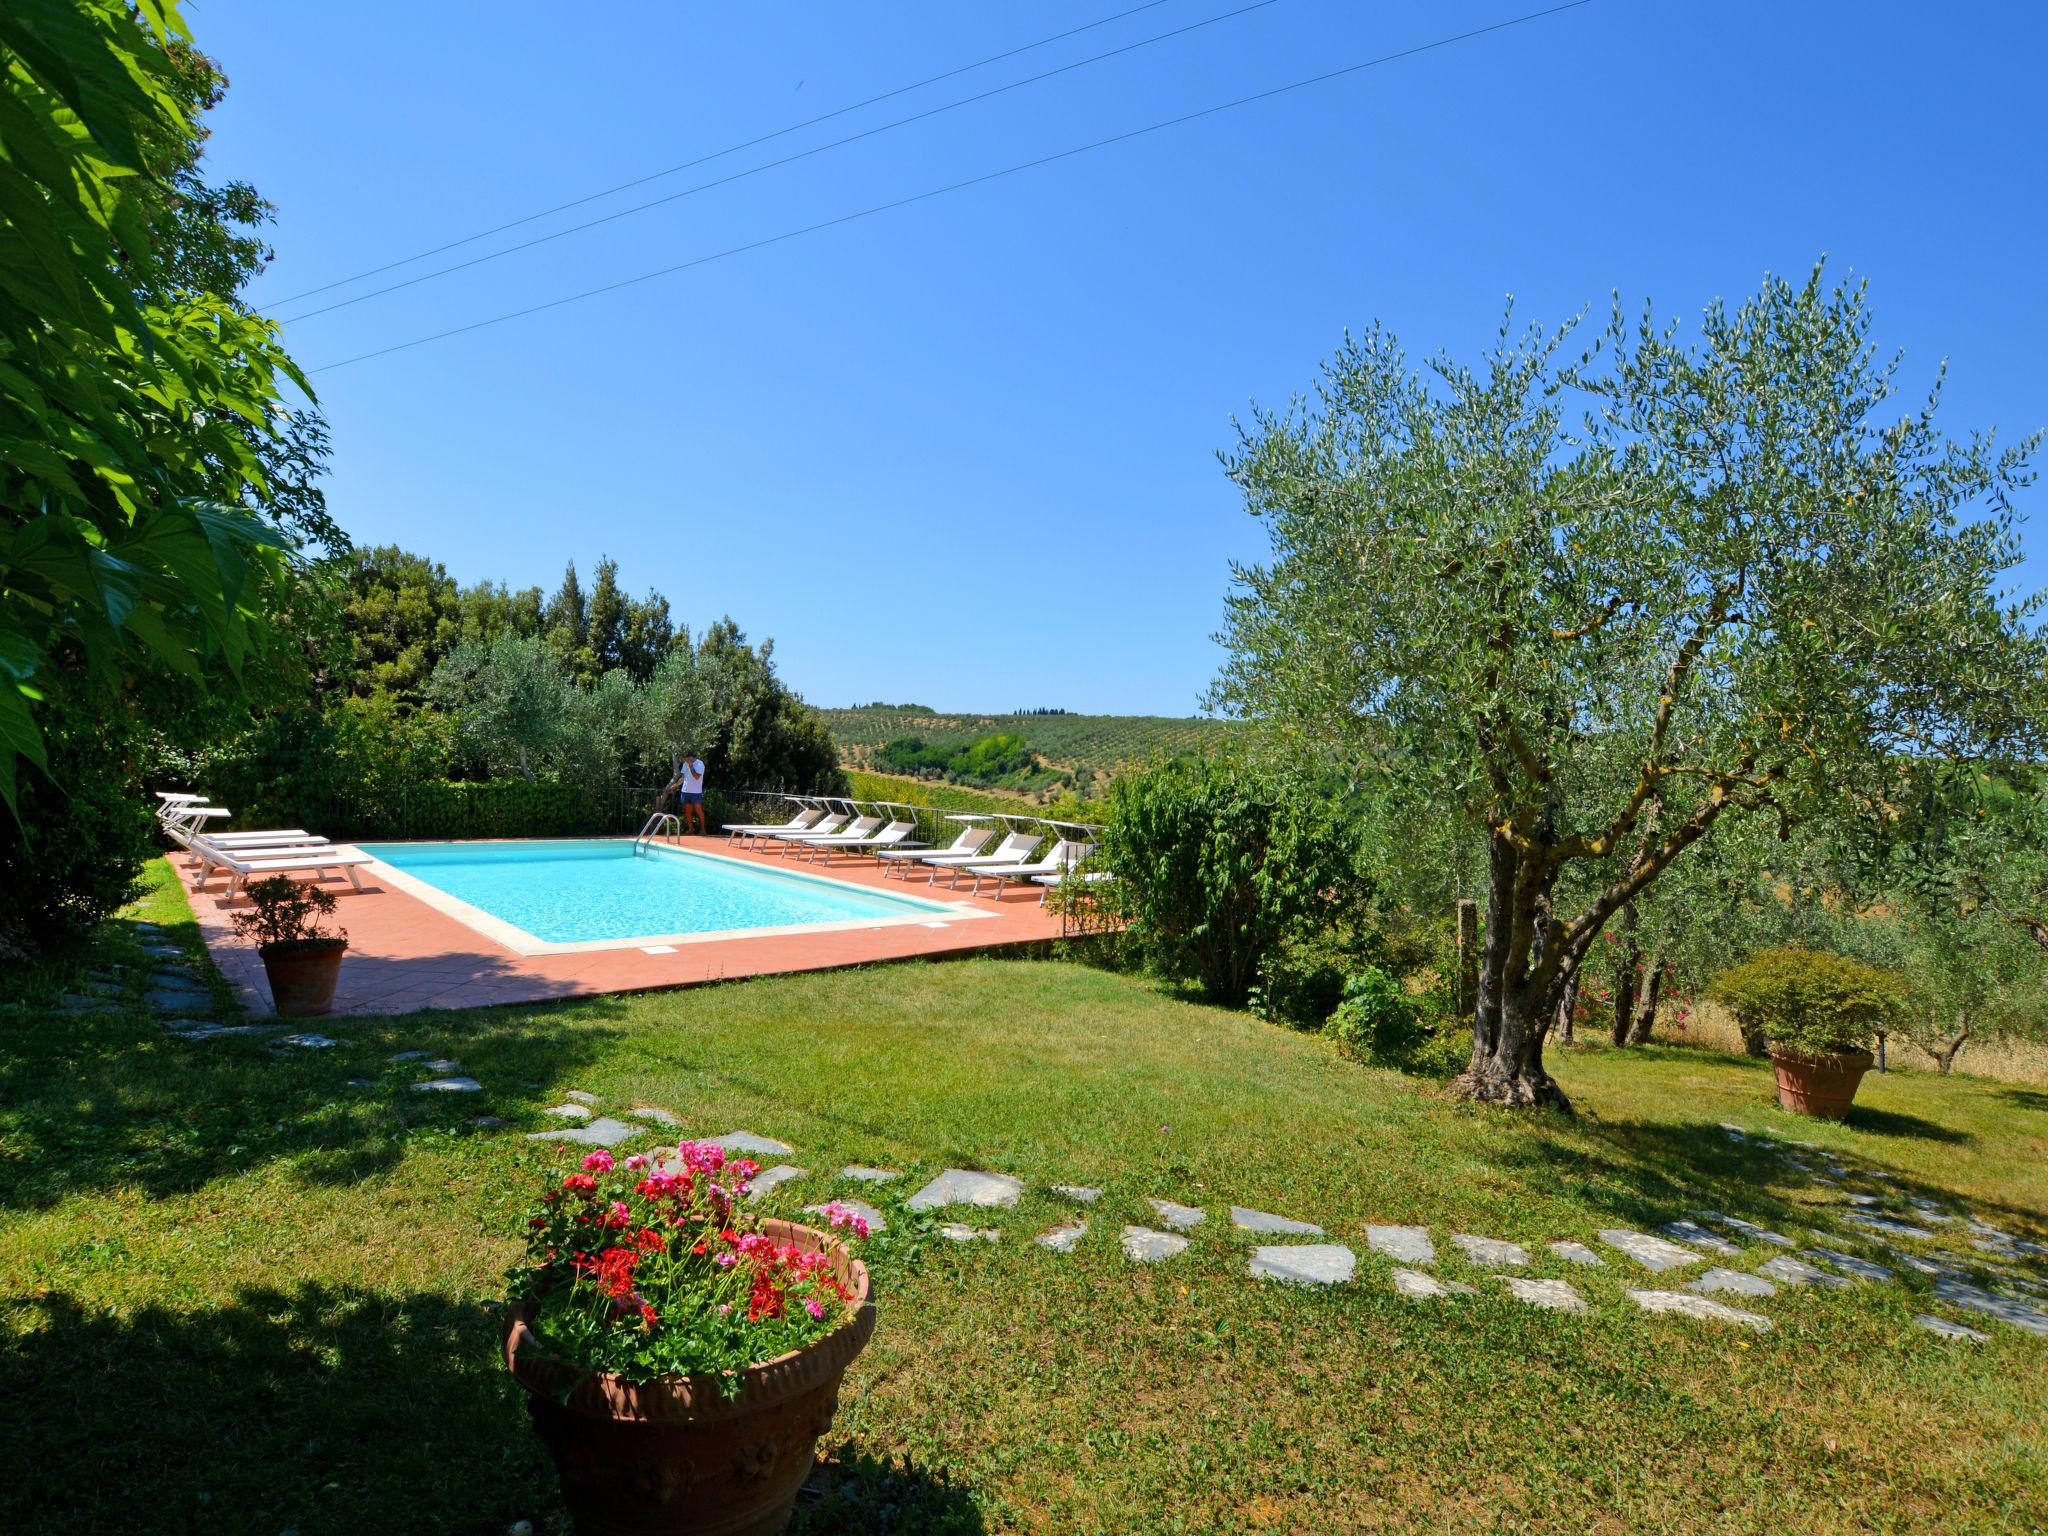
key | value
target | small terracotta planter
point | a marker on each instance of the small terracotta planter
(1823, 1086)
(302, 974)
(676, 1456)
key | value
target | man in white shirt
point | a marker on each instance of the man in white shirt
(690, 789)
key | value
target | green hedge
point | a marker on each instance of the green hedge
(452, 809)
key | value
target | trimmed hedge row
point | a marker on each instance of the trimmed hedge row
(439, 809)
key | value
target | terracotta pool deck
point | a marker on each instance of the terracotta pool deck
(404, 955)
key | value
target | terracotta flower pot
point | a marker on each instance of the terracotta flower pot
(1824, 1086)
(302, 974)
(676, 1456)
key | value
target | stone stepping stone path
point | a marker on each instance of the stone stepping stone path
(1492, 1251)
(1183, 1218)
(1411, 1245)
(769, 1178)
(1787, 1270)
(1677, 1244)
(407, 1056)
(1417, 1286)
(1144, 1246)
(443, 1064)
(1063, 1238)
(1551, 1295)
(861, 1175)
(1886, 1225)
(1304, 1263)
(965, 1186)
(1701, 1307)
(1921, 1266)
(1694, 1235)
(1267, 1224)
(1732, 1280)
(1577, 1253)
(1949, 1330)
(601, 1132)
(1849, 1264)
(1655, 1254)
(2006, 1309)
(747, 1141)
(860, 1208)
(222, 1031)
(1753, 1232)
(454, 1085)
(307, 1042)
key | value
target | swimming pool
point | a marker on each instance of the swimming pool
(547, 896)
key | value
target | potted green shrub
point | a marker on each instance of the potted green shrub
(680, 1356)
(301, 959)
(1818, 1013)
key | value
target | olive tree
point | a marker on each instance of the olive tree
(1595, 607)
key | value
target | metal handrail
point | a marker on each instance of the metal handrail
(656, 823)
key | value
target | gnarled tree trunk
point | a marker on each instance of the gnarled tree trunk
(1627, 961)
(1944, 1051)
(1519, 987)
(1646, 1002)
(1567, 1004)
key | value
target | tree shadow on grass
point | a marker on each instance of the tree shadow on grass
(2026, 1098)
(317, 1409)
(855, 1494)
(116, 1100)
(322, 1409)
(1891, 1122)
(1643, 1173)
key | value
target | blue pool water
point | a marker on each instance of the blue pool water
(573, 892)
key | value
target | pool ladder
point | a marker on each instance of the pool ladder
(659, 822)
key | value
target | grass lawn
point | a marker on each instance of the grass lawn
(237, 1294)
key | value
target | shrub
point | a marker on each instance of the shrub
(286, 915)
(1218, 863)
(1303, 979)
(1380, 1022)
(83, 835)
(1808, 1002)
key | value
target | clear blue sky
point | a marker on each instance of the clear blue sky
(1010, 399)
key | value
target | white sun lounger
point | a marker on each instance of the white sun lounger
(745, 831)
(859, 827)
(833, 822)
(1014, 849)
(967, 845)
(1086, 877)
(1065, 854)
(894, 835)
(254, 864)
(190, 819)
(271, 844)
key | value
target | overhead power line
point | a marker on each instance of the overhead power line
(802, 154)
(972, 181)
(717, 154)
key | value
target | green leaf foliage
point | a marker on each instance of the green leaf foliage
(1809, 1002)
(1218, 862)
(1598, 607)
(133, 412)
